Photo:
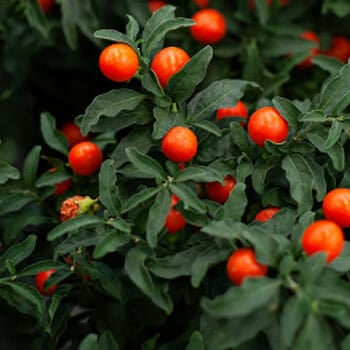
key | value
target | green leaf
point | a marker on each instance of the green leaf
(209, 256)
(156, 217)
(132, 28)
(208, 126)
(30, 166)
(116, 36)
(314, 116)
(301, 180)
(292, 318)
(148, 165)
(329, 64)
(196, 342)
(240, 137)
(50, 178)
(345, 344)
(139, 197)
(107, 341)
(8, 172)
(14, 201)
(36, 17)
(336, 152)
(78, 15)
(109, 244)
(139, 274)
(109, 104)
(180, 87)
(77, 241)
(335, 95)
(71, 225)
(165, 120)
(53, 137)
(188, 197)
(240, 329)
(108, 278)
(262, 11)
(198, 174)
(236, 203)
(173, 266)
(139, 138)
(260, 173)
(224, 229)
(24, 298)
(334, 134)
(42, 265)
(288, 110)
(89, 342)
(241, 301)
(253, 64)
(108, 190)
(321, 335)
(18, 252)
(160, 24)
(221, 93)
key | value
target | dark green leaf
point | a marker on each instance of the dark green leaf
(300, 178)
(292, 317)
(116, 36)
(148, 165)
(233, 332)
(14, 201)
(30, 166)
(109, 244)
(71, 225)
(288, 110)
(89, 342)
(224, 229)
(8, 172)
(160, 23)
(209, 256)
(188, 197)
(208, 126)
(240, 301)
(329, 64)
(180, 87)
(196, 342)
(107, 341)
(108, 277)
(108, 189)
(139, 274)
(236, 203)
(335, 95)
(78, 15)
(18, 252)
(314, 116)
(156, 217)
(139, 138)
(315, 334)
(173, 266)
(334, 134)
(262, 11)
(42, 265)
(52, 137)
(198, 174)
(240, 137)
(139, 197)
(165, 120)
(221, 93)
(336, 152)
(24, 298)
(109, 105)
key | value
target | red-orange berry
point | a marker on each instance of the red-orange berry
(174, 221)
(118, 62)
(243, 264)
(179, 144)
